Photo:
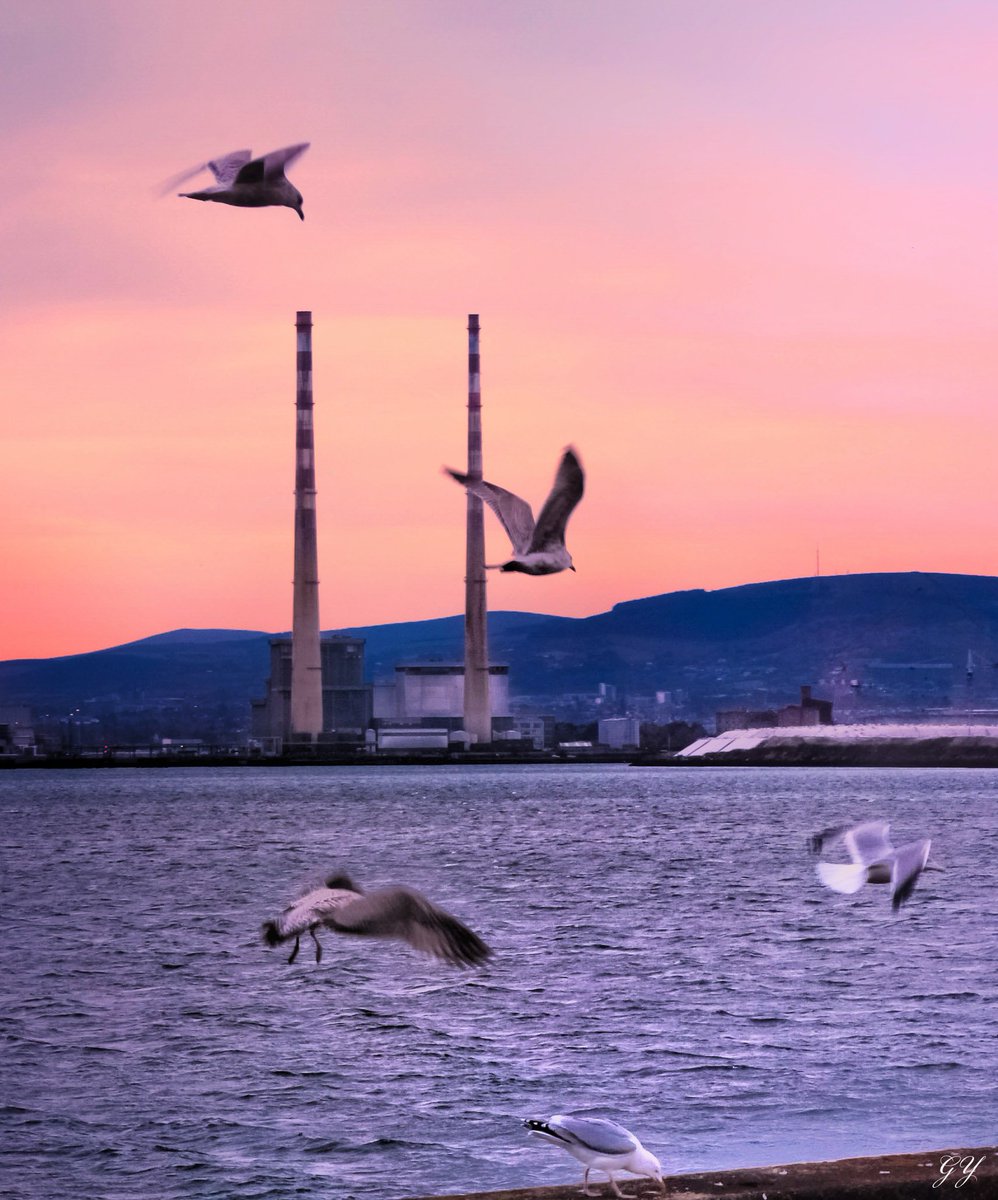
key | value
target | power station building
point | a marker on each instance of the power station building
(432, 693)
(316, 690)
(346, 699)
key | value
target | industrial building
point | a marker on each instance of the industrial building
(808, 712)
(17, 734)
(538, 731)
(619, 733)
(346, 699)
(432, 694)
(428, 704)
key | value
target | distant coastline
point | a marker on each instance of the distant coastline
(941, 752)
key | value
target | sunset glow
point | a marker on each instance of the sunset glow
(741, 255)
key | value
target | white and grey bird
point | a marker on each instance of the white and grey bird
(538, 547)
(400, 913)
(599, 1145)
(248, 182)
(874, 860)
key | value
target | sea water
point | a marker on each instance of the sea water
(663, 955)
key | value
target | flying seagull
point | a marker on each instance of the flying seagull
(538, 549)
(391, 912)
(600, 1146)
(874, 860)
(246, 181)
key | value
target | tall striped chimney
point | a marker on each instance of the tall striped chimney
(306, 663)
(477, 702)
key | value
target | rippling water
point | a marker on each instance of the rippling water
(664, 955)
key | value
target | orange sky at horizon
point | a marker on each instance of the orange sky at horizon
(740, 256)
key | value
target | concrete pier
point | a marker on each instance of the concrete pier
(952, 1173)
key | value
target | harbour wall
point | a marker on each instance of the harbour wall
(954, 1173)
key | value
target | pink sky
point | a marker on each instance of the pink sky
(743, 256)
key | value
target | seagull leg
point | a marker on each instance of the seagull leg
(318, 948)
(584, 1190)
(613, 1186)
(294, 952)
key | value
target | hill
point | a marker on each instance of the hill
(893, 641)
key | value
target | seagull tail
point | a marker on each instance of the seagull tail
(842, 877)
(270, 933)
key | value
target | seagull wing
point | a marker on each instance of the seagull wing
(515, 515)
(868, 843)
(569, 484)
(909, 863)
(315, 906)
(226, 168)
(269, 166)
(604, 1137)
(406, 915)
(828, 837)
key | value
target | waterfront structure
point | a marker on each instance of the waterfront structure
(306, 666)
(345, 700)
(476, 675)
(434, 693)
(893, 744)
(17, 733)
(809, 712)
(537, 730)
(619, 733)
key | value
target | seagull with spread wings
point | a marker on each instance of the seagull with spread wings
(874, 860)
(400, 913)
(600, 1145)
(248, 182)
(538, 547)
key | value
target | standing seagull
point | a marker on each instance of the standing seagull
(391, 912)
(874, 860)
(248, 182)
(600, 1146)
(538, 549)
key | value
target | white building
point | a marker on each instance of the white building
(433, 692)
(620, 733)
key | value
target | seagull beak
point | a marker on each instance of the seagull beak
(571, 568)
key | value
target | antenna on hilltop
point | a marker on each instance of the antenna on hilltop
(817, 561)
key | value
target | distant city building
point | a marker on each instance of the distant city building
(744, 718)
(432, 694)
(538, 731)
(402, 740)
(808, 712)
(619, 733)
(346, 699)
(17, 733)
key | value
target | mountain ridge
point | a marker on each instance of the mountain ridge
(751, 644)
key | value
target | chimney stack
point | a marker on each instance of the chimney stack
(477, 701)
(306, 662)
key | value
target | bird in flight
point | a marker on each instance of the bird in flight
(538, 547)
(248, 182)
(600, 1146)
(874, 860)
(400, 913)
